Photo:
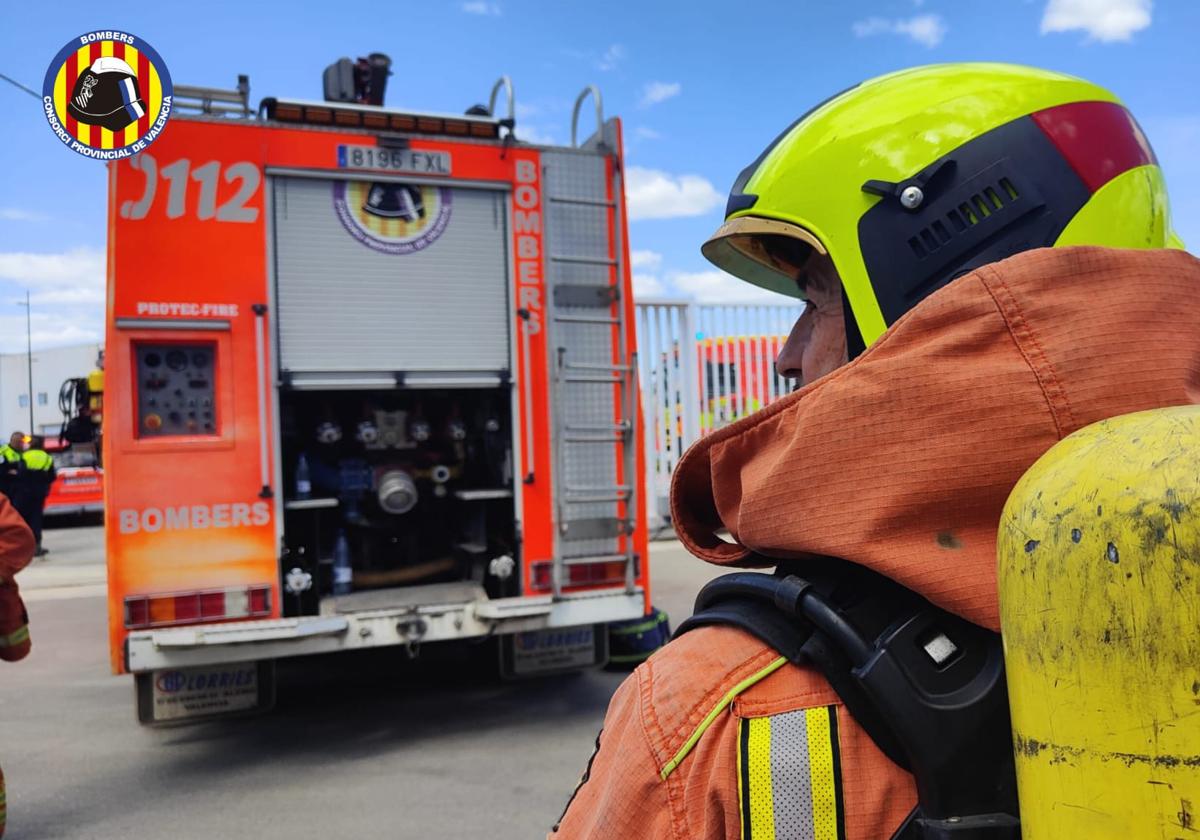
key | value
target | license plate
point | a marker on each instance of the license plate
(546, 651)
(407, 161)
(183, 693)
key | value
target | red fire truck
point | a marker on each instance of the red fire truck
(370, 382)
(78, 487)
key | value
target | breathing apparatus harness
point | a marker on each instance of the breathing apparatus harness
(927, 686)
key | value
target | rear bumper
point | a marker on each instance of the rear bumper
(247, 641)
(68, 508)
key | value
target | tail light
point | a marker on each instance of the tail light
(583, 574)
(175, 608)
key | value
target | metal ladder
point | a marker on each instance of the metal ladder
(580, 378)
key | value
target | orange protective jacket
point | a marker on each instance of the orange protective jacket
(900, 461)
(16, 550)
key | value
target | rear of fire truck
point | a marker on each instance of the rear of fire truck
(370, 383)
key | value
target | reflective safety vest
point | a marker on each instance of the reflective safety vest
(15, 645)
(7, 453)
(37, 460)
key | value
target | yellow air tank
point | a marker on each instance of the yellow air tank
(1099, 572)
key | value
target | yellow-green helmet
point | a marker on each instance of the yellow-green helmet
(914, 178)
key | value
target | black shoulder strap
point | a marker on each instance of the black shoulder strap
(800, 644)
(770, 626)
(925, 685)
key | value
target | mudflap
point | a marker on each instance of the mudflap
(177, 696)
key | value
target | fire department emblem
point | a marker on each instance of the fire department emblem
(107, 95)
(390, 217)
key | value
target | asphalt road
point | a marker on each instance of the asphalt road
(359, 746)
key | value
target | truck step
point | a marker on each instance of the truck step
(404, 597)
(599, 558)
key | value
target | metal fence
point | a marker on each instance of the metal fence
(702, 366)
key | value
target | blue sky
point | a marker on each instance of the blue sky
(702, 86)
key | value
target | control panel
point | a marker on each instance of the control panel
(176, 394)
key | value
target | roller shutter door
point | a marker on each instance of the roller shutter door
(383, 276)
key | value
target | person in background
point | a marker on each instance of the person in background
(11, 451)
(16, 550)
(39, 475)
(11, 463)
(12, 468)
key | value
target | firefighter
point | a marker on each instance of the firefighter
(16, 550)
(11, 465)
(39, 474)
(910, 212)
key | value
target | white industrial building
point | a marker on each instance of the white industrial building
(51, 367)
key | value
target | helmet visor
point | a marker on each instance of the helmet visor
(765, 252)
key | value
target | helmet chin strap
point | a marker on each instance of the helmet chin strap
(854, 340)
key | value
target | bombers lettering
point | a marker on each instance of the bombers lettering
(193, 517)
(527, 224)
(107, 35)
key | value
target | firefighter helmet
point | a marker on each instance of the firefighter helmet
(911, 179)
(395, 201)
(107, 94)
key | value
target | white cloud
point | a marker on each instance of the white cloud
(652, 194)
(645, 133)
(525, 110)
(655, 92)
(479, 7)
(67, 297)
(48, 331)
(535, 135)
(80, 267)
(645, 259)
(1102, 20)
(870, 26)
(16, 214)
(82, 295)
(927, 30)
(648, 286)
(613, 56)
(718, 287)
